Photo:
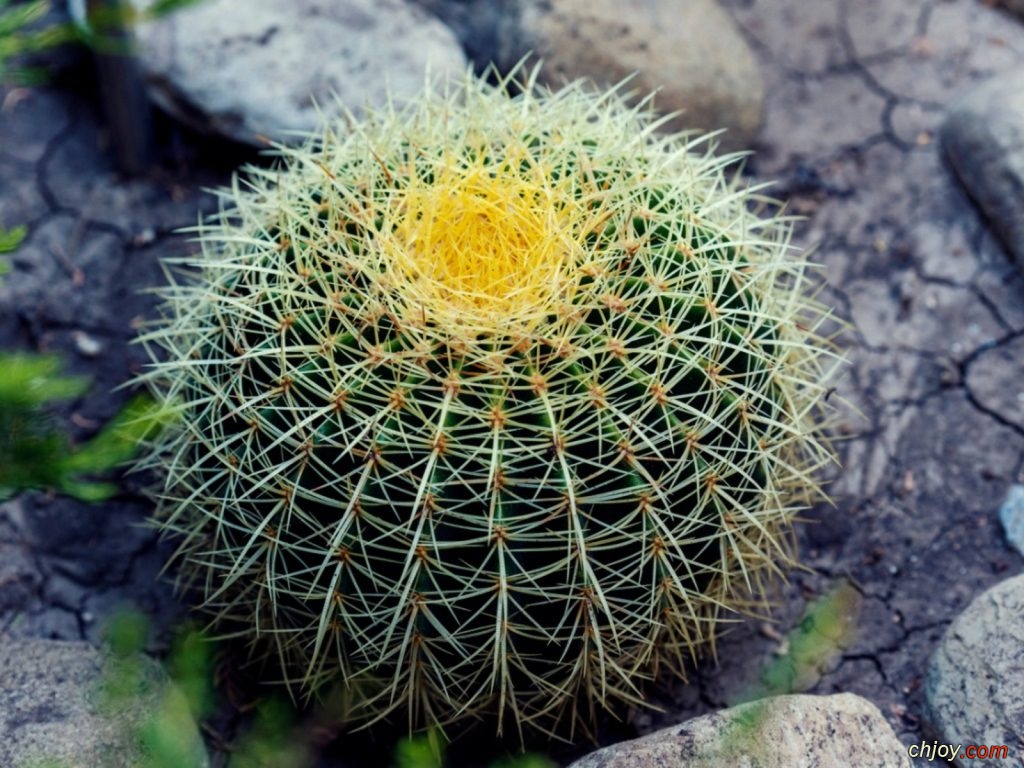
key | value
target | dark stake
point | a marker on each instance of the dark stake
(122, 91)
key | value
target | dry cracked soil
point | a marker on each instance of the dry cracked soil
(931, 438)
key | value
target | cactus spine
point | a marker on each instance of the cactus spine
(488, 404)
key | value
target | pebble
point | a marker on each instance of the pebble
(87, 345)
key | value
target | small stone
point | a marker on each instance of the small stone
(145, 237)
(779, 732)
(974, 691)
(86, 345)
(265, 72)
(690, 52)
(53, 709)
(983, 136)
(1011, 514)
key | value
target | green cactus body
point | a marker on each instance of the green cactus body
(489, 404)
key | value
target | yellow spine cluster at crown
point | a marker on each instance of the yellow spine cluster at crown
(483, 242)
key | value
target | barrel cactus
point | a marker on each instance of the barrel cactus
(492, 404)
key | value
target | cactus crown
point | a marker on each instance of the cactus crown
(489, 404)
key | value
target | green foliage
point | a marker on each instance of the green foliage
(108, 22)
(21, 35)
(166, 735)
(190, 665)
(273, 741)
(32, 450)
(824, 630)
(34, 454)
(424, 751)
(524, 761)
(164, 7)
(428, 751)
(11, 238)
(492, 405)
(166, 738)
(276, 738)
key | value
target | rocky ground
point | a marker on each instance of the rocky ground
(932, 433)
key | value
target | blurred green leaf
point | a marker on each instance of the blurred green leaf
(119, 440)
(525, 761)
(33, 454)
(276, 739)
(165, 736)
(163, 7)
(422, 751)
(11, 238)
(85, 490)
(270, 743)
(21, 33)
(20, 36)
(126, 633)
(31, 451)
(15, 18)
(427, 750)
(109, 24)
(166, 733)
(826, 627)
(191, 665)
(34, 380)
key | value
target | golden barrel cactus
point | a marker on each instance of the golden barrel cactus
(493, 403)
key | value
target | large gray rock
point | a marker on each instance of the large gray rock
(690, 52)
(975, 684)
(983, 136)
(260, 68)
(781, 732)
(53, 709)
